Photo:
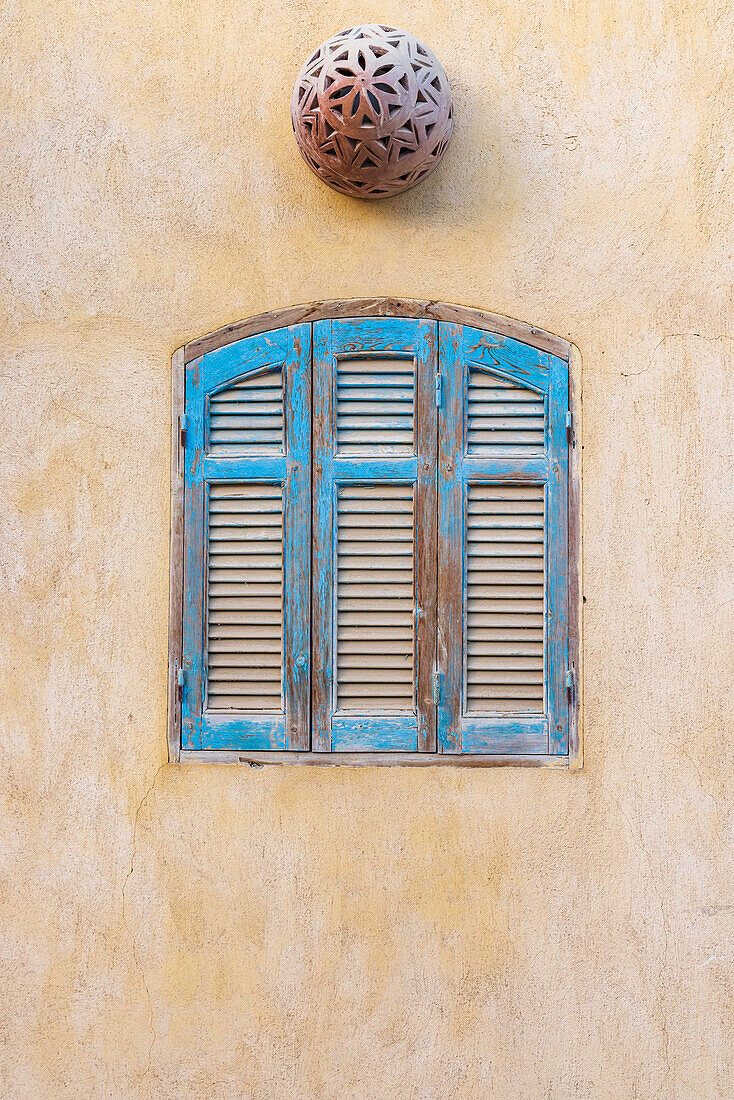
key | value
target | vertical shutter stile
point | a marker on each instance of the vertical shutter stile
(557, 565)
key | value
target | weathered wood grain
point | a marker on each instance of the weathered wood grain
(322, 552)
(557, 565)
(504, 735)
(506, 358)
(426, 531)
(175, 593)
(194, 581)
(376, 759)
(575, 570)
(297, 540)
(379, 307)
(450, 662)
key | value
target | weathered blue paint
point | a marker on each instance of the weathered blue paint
(504, 735)
(249, 468)
(193, 612)
(506, 358)
(374, 469)
(511, 468)
(557, 565)
(397, 733)
(375, 335)
(243, 731)
(450, 538)
(297, 541)
(230, 363)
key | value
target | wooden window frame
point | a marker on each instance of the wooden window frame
(378, 307)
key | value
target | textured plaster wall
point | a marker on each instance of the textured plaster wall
(373, 934)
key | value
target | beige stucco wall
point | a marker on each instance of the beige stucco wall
(373, 934)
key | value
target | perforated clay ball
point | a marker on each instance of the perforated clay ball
(372, 112)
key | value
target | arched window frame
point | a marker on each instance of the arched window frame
(487, 326)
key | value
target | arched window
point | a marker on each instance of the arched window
(374, 540)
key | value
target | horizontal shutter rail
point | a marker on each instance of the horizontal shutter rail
(248, 415)
(374, 639)
(502, 417)
(505, 599)
(367, 467)
(375, 404)
(245, 597)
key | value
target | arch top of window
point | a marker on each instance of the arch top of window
(378, 307)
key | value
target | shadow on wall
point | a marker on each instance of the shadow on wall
(478, 179)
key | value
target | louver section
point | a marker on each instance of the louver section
(505, 599)
(247, 417)
(375, 401)
(245, 597)
(503, 418)
(375, 598)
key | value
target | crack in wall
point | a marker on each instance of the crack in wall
(666, 941)
(136, 956)
(673, 336)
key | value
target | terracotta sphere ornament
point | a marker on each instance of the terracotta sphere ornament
(371, 111)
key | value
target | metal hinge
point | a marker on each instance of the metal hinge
(183, 423)
(437, 390)
(181, 681)
(569, 684)
(437, 687)
(569, 426)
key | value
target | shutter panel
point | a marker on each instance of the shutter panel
(374, 535)
(503, 546)
(247, 568)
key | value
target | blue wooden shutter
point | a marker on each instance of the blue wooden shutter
(246, 641)
(502, 546)
(374, 532)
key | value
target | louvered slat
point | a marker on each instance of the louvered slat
(503, 418)
(375, 399)
(375, 640)
(248, 416)
(245, 586)
(505, 599)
